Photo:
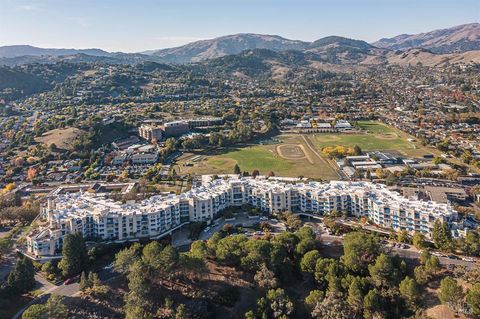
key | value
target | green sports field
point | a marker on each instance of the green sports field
(375, 136)
(290, 156)
(250, 158)
(298, 155)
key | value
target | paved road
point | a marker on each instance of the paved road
(70, 290)
(42, 283)
(50, 288)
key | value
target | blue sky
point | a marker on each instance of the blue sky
(137, 25)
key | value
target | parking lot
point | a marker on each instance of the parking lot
(180, 237)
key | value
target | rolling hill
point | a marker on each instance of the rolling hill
(461, 38)
(227, 45)
(428, 58)
(333, 49)
(332, 53)
(13, 51)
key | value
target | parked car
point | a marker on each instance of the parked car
(206, 230)
(71, 280)
(68, 281)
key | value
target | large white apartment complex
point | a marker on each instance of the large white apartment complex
(95, 216)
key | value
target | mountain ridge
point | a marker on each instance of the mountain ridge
(227, 45)
(331, 49)
(461, 38)
(11, 51)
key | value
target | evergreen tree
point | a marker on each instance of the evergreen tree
(355, 296)
(236, 169)
(125, 258)
(151, 255)
(22, 278)
(419, 241)
(93, 280)
(372, 304)
(471, 244)
(334, 277)
(409, 290)
(321, 270)
(450, 293)
(48, 268)
(84, 284)
(199, 249)
(309, 261)
(473, 299)
(74, 255)
(432, 265)
(314, 297)
(442, 238)
(181, 312)
(168, 259)
(383, 272)
(360, 250)
(137, 305)
(421, 275)
(357, 150)
(403, 236)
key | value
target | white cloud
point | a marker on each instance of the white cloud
(29, 8)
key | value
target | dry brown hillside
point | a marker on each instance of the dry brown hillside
(415, 56)
(62, 138)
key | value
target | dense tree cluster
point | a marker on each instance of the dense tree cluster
(144, 267)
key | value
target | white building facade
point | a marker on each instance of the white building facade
(97, 217)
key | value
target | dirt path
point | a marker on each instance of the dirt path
(278, 149)
(308, 142)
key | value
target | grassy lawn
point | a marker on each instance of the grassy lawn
(376, 127)
(367, 142)
(376, 136)
(265, 158)
(250, 158)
